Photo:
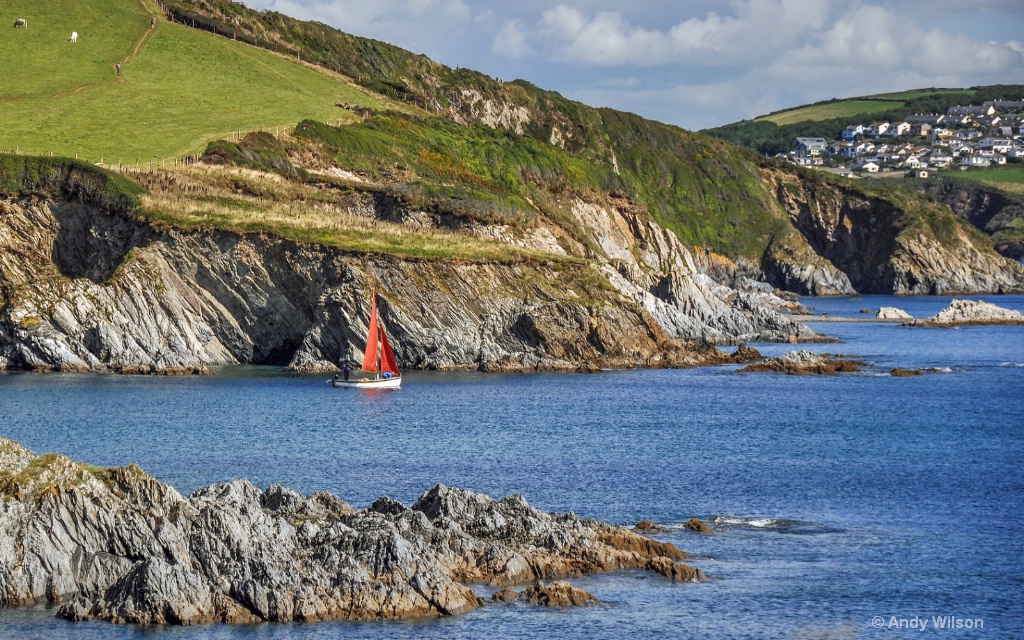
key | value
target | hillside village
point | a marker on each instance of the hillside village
(965, 136)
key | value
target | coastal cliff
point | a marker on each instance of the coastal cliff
(117, 545)
(88, 290)
(869, 238)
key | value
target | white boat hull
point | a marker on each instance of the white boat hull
(369, 383)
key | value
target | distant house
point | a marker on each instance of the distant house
(807, 161)
(939, 160)
(971, 110)
(851, 132)
(932, 119)
(975, 160)
(1004, 105)
(921, 173)
(898, 129)
(870, 167)
(811, 146)
(920, 129)
(999, 145)
(877, 129)
(841, 171)
(987, 121)
(912, 163)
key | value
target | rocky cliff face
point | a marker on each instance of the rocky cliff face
(117, 545)
(89, 290)
(872, 244)
(997, 213)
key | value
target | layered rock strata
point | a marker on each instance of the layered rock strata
(117, 545)
(82, 289)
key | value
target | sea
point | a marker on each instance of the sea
(853, 506)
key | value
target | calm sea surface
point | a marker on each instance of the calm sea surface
(836, 499)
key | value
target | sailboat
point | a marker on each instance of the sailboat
(378, 359)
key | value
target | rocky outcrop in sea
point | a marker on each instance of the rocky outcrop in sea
(892, 313)
(968, 312)
(804, 363)
(118, 545)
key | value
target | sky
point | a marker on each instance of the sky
(697, 63)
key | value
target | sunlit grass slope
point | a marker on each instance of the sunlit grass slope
(181, 89)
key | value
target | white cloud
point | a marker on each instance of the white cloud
(757, 27)
(511, 40)
(872, 39)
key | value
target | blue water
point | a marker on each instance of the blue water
(836, 499)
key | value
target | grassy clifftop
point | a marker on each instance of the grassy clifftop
(179, 87)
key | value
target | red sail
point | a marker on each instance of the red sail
(388, 364)
(370, 357)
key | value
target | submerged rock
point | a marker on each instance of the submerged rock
(556, 594)
(968, 312)
(804, 363)
(117, 545)
(696, 525)
(647, 525)
(907, 373)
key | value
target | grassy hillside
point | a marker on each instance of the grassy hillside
(774, 133)
(179, 88)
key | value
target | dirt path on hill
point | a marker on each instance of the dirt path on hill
(121, 79)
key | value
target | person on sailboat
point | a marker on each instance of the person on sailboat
(345, 370)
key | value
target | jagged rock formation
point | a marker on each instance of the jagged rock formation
(555, 594)
(804, 363)
(968, 312)
(880, 244)
(85, 289)
(117, 545)
(892, 313)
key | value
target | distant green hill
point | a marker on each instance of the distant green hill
(774, 133)
(179, 88)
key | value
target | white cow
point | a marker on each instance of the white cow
(74, 37)
(21, 22)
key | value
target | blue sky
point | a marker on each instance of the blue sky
(697, 63)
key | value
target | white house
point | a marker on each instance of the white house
(999, 145)
(939, 160)
(877, 129)
(913, 163)
(870, 167)
(851, 132)
(898, 129)
(811, 146)
(974, 160)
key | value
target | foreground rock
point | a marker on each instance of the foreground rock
(117, 545)
(804, 363)
(892, 313)
(556, 594)
(970, 312)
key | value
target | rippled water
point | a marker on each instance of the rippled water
(835, 499)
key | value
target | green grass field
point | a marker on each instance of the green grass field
(1008, 177)
(182, 89)
(843, 109)
(914, 95)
